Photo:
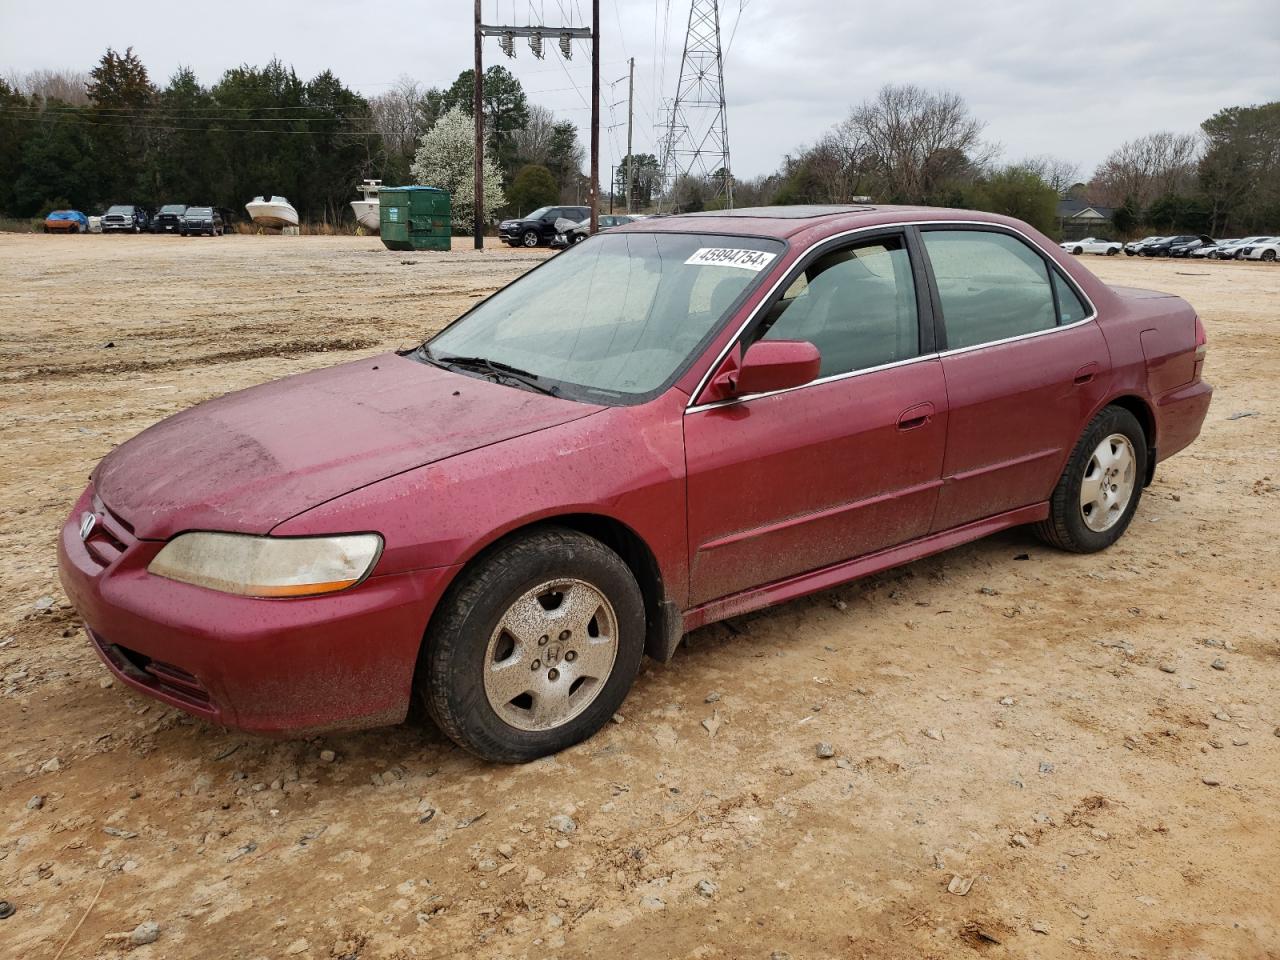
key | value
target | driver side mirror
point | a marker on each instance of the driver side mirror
(769, 365)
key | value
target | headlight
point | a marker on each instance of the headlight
(268, 566)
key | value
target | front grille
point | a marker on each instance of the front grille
(111, 536)
(162, 677)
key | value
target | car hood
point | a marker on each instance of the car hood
(250, 460)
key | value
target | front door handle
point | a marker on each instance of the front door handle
(1085, 374)
(916, 416)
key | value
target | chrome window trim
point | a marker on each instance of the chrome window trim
(1051, 264)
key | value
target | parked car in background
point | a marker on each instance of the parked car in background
(1097, 245)
(169, 219)
(1226, 250)
(202, 220)
(740, 408)
(1209, 251)
(1267, 249)
(1134, 247)
(1185, 249)
(578, 232)
(125, 218)
(1161, 248)
(539, 228)
(66, 221)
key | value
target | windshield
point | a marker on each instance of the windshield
(616, 317)
(172, 208)
(119, 209)
(538, 214)
(199, 212)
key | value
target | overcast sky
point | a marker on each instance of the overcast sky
(1069, 79)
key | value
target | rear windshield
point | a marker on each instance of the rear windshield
(616, 318)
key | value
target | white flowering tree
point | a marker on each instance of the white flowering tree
(446, 158)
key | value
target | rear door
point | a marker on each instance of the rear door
(1024, 362)
(789, 481)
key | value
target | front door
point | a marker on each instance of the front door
(1024, 362)
(791, 481)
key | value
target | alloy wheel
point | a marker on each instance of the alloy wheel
(1108, 484)
(550, 654)
(530, 239)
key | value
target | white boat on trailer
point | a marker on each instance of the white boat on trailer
(272, 212)
(368, 211)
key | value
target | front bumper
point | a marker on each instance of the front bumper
(275, 667)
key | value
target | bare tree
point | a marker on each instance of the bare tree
(1057, 172)
(404, 113)
(536, 140)
(1145, 169)
(68, 86)
(915, 140)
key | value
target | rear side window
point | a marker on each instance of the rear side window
(1070, 308)
(992, 286)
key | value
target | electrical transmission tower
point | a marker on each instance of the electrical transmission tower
(697, 135)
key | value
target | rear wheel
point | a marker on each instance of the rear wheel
(1269, 256)
(1112, 251)
(1098, 493)
(535, 648)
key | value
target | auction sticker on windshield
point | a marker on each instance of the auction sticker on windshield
(755, 260)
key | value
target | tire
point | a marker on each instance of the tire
(1077, 250)
(1268, 256)
(468, 699)
(1112, 251)
(1079, 528)
(529, 238)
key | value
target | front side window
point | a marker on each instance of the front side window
(614, 318)
(856, 304)
(992, 286)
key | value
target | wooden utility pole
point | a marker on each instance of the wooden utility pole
(595, 115)
(631, 105)
(477, 108)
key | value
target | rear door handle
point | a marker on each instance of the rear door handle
(1085, 373)
(916, 416)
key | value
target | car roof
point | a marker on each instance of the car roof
(784, 222)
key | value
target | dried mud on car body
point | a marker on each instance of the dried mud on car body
(1008, 721)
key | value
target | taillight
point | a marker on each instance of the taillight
(1202, 347)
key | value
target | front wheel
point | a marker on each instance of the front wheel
(529, 238)
(1077, 250)
(1098, 493)
(1112, 251)
(534, 648)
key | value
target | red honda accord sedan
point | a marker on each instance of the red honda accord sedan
(677, 421)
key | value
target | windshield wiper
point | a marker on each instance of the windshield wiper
(495, 367)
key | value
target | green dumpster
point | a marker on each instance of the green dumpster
(415, 218)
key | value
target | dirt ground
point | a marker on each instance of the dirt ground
(1091, 742)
